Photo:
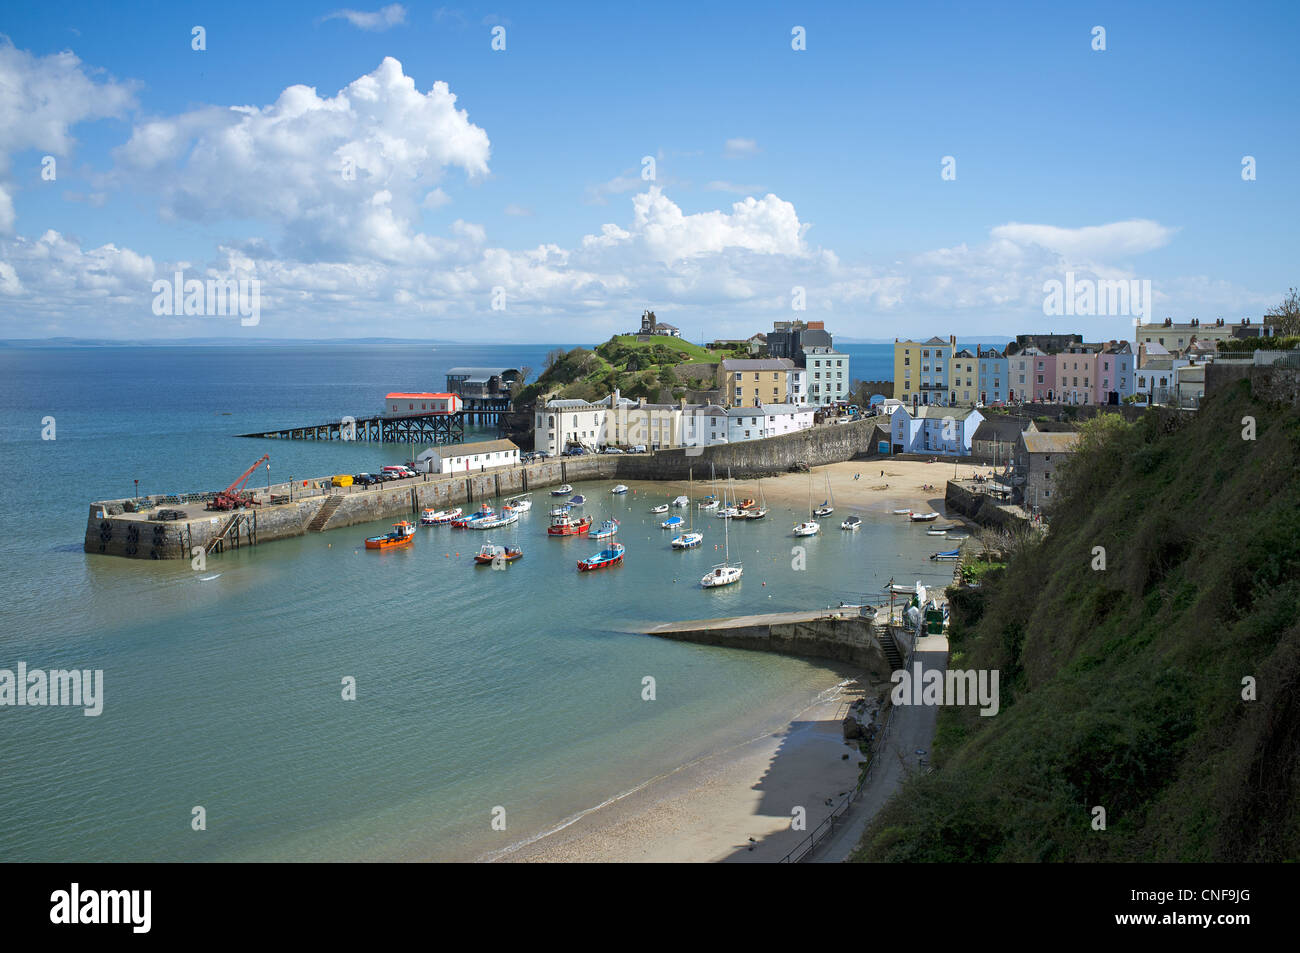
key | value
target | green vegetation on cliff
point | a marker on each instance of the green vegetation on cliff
(1122, 687)
(638, 369)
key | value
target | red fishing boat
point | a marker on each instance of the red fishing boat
(489, 554)
(563, 524)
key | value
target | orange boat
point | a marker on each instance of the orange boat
(745, 505)
(402, 535)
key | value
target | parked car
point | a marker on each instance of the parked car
(639, 448)
(575, 451)
(541, 454)
(612, 450)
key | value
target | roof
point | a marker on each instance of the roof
(483, 372)
(468, 449)
(1000, 428)
(936, 340)
(964, 352)
(758, 364)
(936, 412)
(665, 324)
(569, 402)
(403, 395)
(767, 409)
(1050, 442)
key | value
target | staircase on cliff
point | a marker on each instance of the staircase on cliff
(889, 646)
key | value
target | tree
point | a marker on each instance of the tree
(1285, 318)
(525, 372)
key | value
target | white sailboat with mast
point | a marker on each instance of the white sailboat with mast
(828, 505)
(690, 539)
(724, 574)
(809, 527)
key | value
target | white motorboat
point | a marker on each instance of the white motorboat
(682, 501)
(936, 532)
(903, 512)
(520, 505)
(924, 517)
(687, 540)
(492, 522)
(727, 513)
(661, 508)
(562, 490)
(440, 517)
(709, 504)
(619, 489)
(853, 522)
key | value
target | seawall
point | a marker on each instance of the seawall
(842, 636)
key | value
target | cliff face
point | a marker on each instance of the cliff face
(1149, 655)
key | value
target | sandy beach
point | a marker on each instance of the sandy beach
(881, 486)
(733, 805)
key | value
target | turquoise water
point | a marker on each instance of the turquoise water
(476, 688)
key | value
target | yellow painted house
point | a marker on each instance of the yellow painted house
(754, 383)
(921, 371)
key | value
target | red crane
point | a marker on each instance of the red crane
(230, 498)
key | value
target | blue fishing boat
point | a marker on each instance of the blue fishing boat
(606, 529)
(611, 556)
(577, 499)
(672, 522)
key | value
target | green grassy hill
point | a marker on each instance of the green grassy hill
(1123, 687)
(638, 369)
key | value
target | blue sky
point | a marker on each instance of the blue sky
(1122, 163)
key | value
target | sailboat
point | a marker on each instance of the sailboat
(690, 539)
(756, 512)
(728, 511)
(828, 506)
(809, 527)
(710, 502)
(724, 574)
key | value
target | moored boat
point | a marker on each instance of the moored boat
(661, 508)
(724, 574)
(708, 503)
(562, 490)
(563, 524)
(402, 535)
(936, 532)
(440, 517)
(492, 522)
(489, 554)
(520, 504)
(853, 522)
(746, 504)
(605, 530)
(924, 517)
(577, 499)
(950, 554)
(609, 556)
(483, 512)
(903, 512)
(682, 501)
(672, 522)
(687, 540)
(808, 528)
(620, 488)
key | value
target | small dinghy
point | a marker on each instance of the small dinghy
(661, 508)
(562, 490)
(950, 554)
(611, 556)
(489, 555)
(903, 512)
(619, 489)
(936, 532)
(853, 522)
(924, 517)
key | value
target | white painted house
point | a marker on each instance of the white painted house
(933, 429)
(468, 457)
(769, 420)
